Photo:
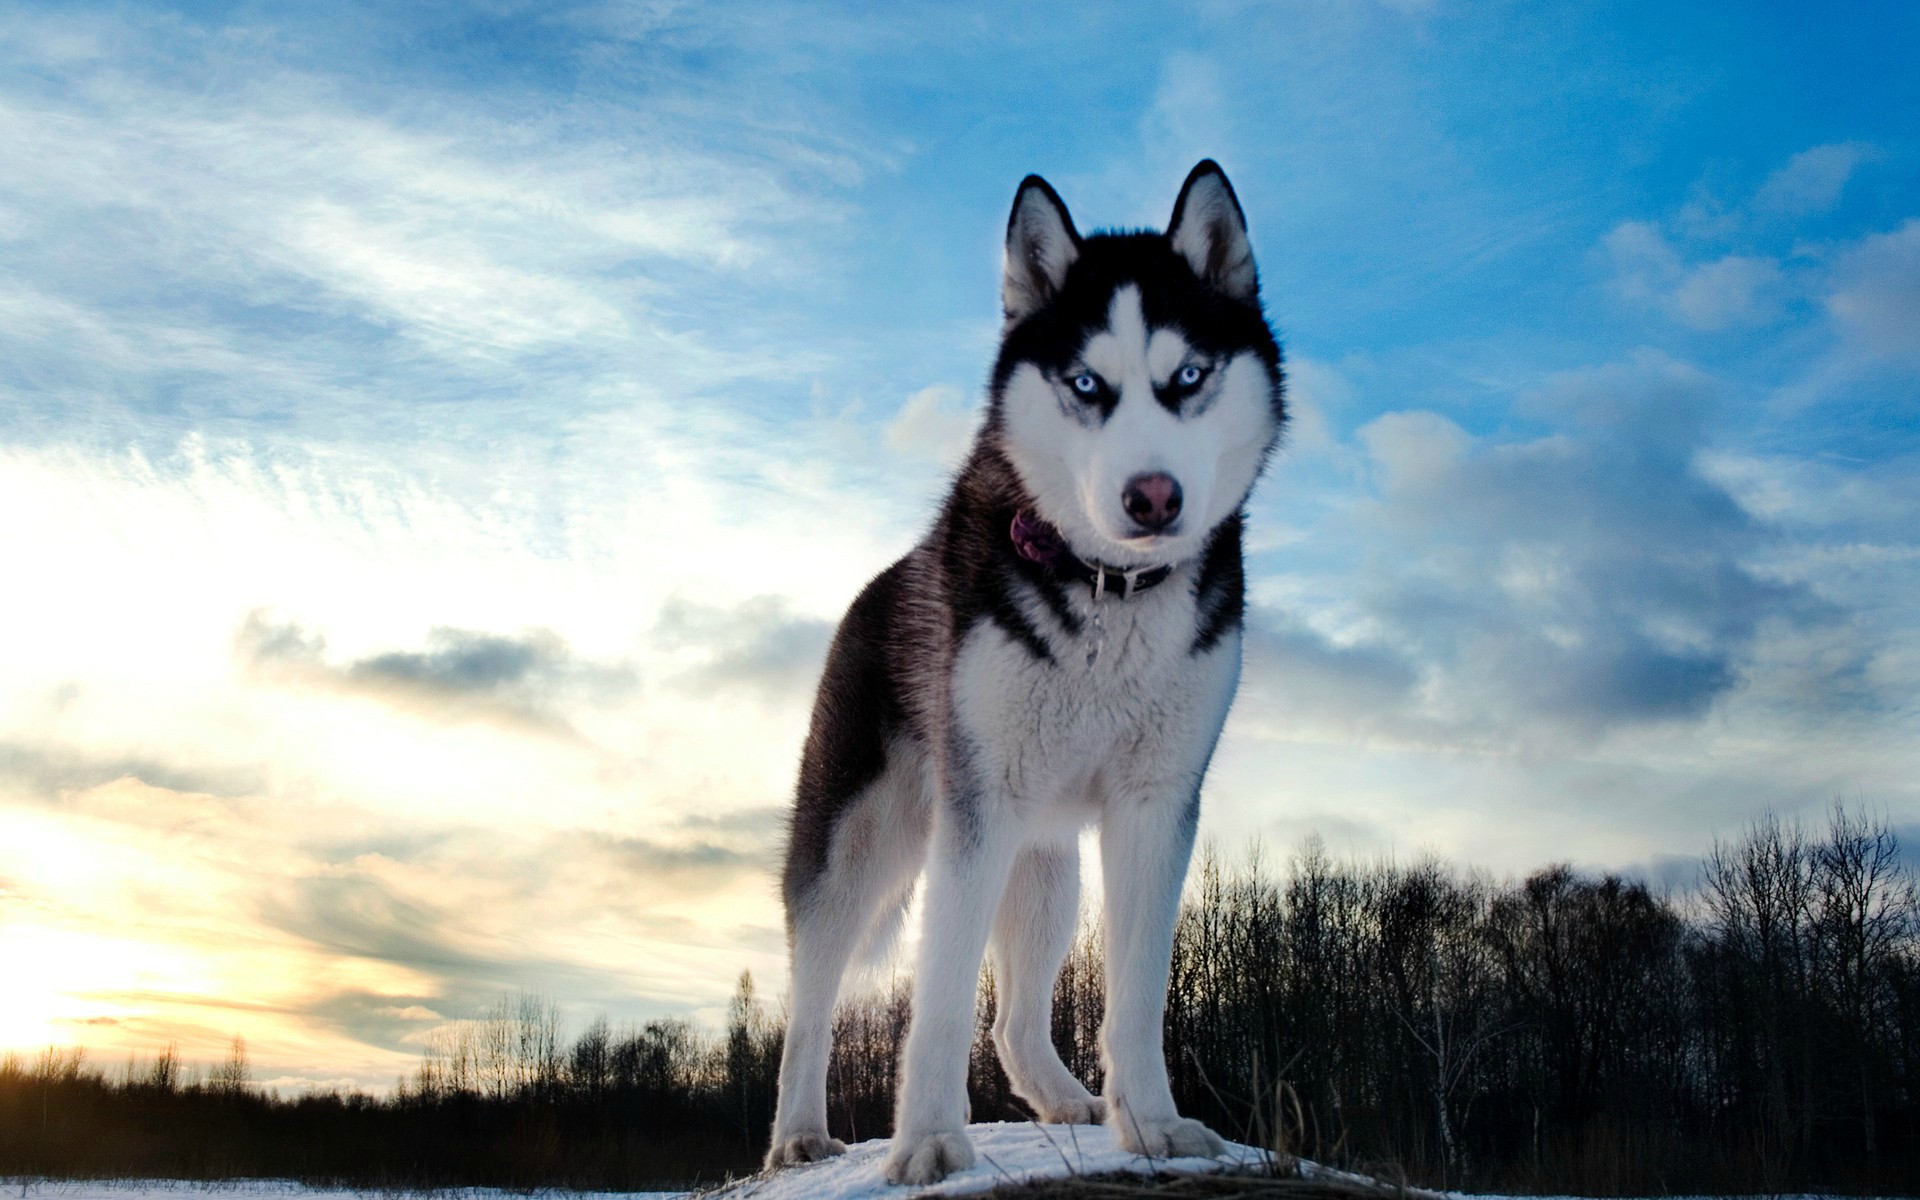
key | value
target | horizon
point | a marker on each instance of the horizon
(441, 442)
(1686, 894)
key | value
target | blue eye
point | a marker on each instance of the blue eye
(1086, 383)
(1189, 375)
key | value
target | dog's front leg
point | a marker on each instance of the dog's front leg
(974, 838)
(1145, 841)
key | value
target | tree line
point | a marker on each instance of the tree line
(1567, 1032)
(497, 1100)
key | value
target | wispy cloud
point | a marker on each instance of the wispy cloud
(278, 247)
(525, 678)
(760, 644)
(1812, 179)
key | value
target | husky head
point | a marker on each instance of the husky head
(1138, 389)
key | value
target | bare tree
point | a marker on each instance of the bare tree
(1440, 985)
(232, 1076)
(165, 1075)
(750, 1058)
(1760, 893)
(1861, 910)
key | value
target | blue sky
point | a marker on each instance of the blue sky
(443, 437)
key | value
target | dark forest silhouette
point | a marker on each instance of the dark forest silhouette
(1567, 1033)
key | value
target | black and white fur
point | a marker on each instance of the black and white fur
(981, 707)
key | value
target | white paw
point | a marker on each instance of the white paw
(802, 1148)
(1073, 1110)
(1181, 1137)
(928, 1158)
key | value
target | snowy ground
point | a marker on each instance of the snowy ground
(1009, 1152)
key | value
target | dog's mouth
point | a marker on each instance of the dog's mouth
(1154, 540)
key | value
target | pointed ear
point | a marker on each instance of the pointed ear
(1041, 245)
(1210, 232)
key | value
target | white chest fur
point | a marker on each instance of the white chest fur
(1066, 733)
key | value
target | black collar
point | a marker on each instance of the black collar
(1125, 584)
(1037, 541)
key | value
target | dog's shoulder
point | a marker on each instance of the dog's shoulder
(1220, 589)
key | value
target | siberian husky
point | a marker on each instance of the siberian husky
(1060, 651)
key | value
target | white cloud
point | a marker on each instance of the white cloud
(1646, 262)
(1413, 452)
(934, 423)
(1313, 389)
(1745, 290)
(1608, 636)
(1812, 180)
(1734, 290)
(1876, 298)
(1570, 589)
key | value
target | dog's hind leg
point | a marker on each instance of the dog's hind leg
(1030, 940)
(876, 855)
(824, 934)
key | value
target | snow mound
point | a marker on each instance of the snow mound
(1009, 1152)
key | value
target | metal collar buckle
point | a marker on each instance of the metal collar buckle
(1128, 579)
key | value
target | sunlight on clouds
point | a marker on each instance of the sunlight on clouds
(149, 915)
(120, 921)
(401, 808)
(58, 980)
(478, 756)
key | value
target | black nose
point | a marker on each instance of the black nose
(1153, 501)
